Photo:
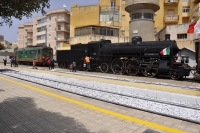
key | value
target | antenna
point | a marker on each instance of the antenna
(64, 5)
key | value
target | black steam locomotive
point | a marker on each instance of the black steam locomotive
(132, 58)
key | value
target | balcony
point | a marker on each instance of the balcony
(29, 37)
(196, 1)
(60, 39)
(40, 41)
(62, 30)
(29, 43)
(29, 30)
(108, 8)
(61, 20)
(41, 33)
(171, 19)
(185, 15)
(171, 2)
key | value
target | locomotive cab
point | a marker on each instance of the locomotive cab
(94, 47)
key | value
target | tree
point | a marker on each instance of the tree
(2, 46)
(20, 8)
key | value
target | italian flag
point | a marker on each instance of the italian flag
(165, 51)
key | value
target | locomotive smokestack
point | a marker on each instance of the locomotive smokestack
(167, 37)
(136, 39)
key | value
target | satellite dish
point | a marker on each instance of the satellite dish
(64, 5)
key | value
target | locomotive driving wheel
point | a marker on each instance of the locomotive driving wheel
(117, 66)
(175, 76)
(150, 70)
(132, 67)
(104, 67)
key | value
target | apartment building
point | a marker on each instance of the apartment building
(50, 30)
(105, 20)
(25, 35)
(179, 32)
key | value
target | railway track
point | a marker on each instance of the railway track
(118, 94)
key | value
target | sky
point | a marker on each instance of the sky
(10, 33)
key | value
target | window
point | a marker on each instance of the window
(43, 20)
(148, 16)
(182, 36)
(106, 16)
(136, 16)
(49, 35)
(59, 17)
(59, 27)
(186, 9)
(123, 32)
(112, 5)
(185, 59)
(50, 18)
(42, 37)
(49, 26)
(58, 36)
(33, 52)
(43, 28)
(29, 41)
(98, 30)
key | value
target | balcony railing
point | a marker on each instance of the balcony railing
(61, 20)
(185, 14)
(171, 19)
(60, 29)
(29, 30)
(60, 39)
(171, 2)
(29, 37)
(105, 8)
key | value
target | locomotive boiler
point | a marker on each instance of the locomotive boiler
(132, 58)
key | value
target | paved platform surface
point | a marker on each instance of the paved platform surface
(31, 108)
(178, 90)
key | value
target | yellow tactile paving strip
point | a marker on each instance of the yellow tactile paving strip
(140, 85)
(102, 110)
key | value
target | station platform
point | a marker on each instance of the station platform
(29, 107)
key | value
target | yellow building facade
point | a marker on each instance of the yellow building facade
(106, 20)
(109, 20)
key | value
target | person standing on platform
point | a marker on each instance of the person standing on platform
(49, 63)
(52, 63)
(34, 64)
(10, 61)
(74, 66)
(16, 64)
(5, 60)
(87, 61)
(13, 61)
(71, 67)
